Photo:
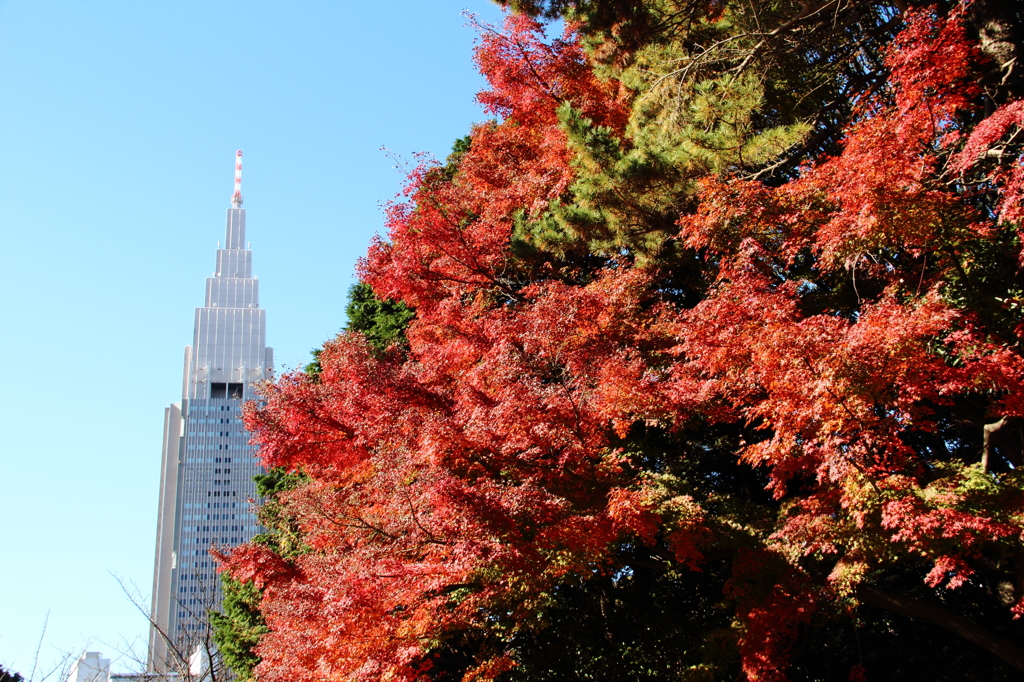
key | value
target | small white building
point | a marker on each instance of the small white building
(90, 668)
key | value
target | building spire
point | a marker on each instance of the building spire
(236, 198)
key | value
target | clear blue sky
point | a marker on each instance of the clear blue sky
(118, 127)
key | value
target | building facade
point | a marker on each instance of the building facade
(91, 667)
(206, 484)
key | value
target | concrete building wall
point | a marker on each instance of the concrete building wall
(166, 532)
(91, 667)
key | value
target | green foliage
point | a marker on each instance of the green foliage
(383, 322)
(642, 623)
(238, 628)
(282, 532)
(278, 480)
(987, 279)
(313, 369)
(588, 12)
(621, 200)
(648, 622)
(459, 149)
(694, 116)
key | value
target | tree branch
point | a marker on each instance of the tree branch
(1006, 651)
(986, 451)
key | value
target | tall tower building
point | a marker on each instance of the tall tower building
(206, 477)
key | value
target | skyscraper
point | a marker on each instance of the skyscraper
(207, 470)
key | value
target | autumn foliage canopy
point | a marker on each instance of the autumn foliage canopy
(705, 361)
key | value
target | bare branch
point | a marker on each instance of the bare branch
(39, 646)
(1003, 649)
(986, 451)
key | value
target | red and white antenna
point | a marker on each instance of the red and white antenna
(236, 198)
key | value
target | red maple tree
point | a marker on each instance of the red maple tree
(711, 340)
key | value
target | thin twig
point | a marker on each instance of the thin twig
(39, 646)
